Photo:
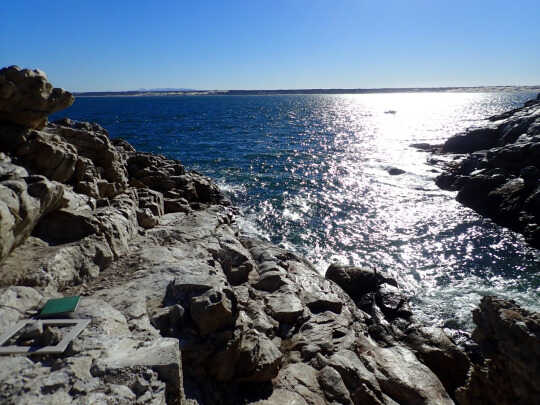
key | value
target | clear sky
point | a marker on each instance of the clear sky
(258, 44)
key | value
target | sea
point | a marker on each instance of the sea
(311, 174)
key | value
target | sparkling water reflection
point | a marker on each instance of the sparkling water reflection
(311, 173)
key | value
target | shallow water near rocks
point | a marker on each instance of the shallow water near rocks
(311, 173)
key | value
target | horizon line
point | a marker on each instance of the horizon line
(307, 90)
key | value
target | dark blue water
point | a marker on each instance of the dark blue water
(310, 173)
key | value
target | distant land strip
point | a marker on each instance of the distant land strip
(140, 93)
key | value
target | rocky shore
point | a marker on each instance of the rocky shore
(184, 309)
(497, 169)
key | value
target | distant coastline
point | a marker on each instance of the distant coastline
(146, 93)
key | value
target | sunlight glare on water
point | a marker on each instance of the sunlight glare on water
(310, 173)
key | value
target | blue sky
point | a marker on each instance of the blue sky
(258, 44)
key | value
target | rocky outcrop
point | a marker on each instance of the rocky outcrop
(500, 176)
(27, 97)
(24, 200)
(108, 361)
(183, 308)
(509, 342)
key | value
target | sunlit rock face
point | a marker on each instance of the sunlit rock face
(27, 97)
(500, 178)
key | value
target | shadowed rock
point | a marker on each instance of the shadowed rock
(500, 176)
(356, 281)
(509, 340)
(27, 97)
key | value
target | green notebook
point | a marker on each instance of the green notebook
(60, 306)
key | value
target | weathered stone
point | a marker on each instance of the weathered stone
(403, 378)
(473, 140)
(92, 142)
(27, 97)
(168, 319)
(333, 386)
(212, 311)
(392, 302)
(176, 205)
(302, 379)
(146, 218)
(270, 281)
(64, 226)
(258, 358)
(318, 302)
(360, 382)
(162, 355)
(280, 397)
(234, 258)
(509, 340)
(152, 200)
(440, 354)
(500, 174)
(285, 307)
(357, 281)
(23, 202)
(48, 155)
(15, 302)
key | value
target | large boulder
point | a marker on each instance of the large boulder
(27, 97)
(357, 281)
(212, 311)
(472, 140)
(509, 341)
(435, 349)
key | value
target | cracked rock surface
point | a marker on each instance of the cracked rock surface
(184, 308)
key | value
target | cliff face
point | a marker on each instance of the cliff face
(499, 176)
(183, 308)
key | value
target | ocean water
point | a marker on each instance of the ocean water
(310, 173)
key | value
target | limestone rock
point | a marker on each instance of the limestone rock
(212, 311)
(258, 358)
(285, 306)
(93, 144)
(17, 302)
(146, 218)
(270, 281)
(162, 355)
(27, 97)
(23, 202)
(360, 382)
